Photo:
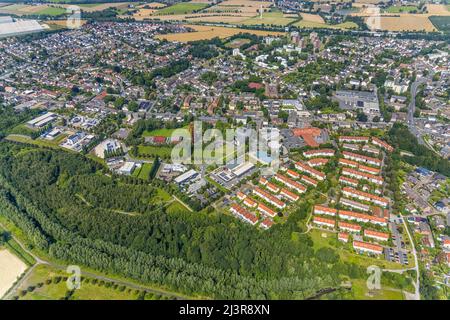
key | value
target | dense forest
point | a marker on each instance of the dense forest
(70, 209)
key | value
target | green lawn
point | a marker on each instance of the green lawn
(153, 151)
(162, 196)
(164, 132)
(331, 241)
(361, 292)
(176, 207)
(145, 171)
(182, 8)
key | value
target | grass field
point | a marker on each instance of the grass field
(311, 24)
(158, 132)
(181, 8)
(50, 11)
(400, 9)
(176, 207)
(270, 18)
(46, 287)
(208, 32)
(42, 9)
(153, 151)
(330, 241)
(361, 292)
(144, 173)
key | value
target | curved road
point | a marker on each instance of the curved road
(412, 107)
(11, 292)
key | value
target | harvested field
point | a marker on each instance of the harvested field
(207, 32)
(312, 18)
(11, 268)
(438, 10)
(152, 5)
(406, 22)
(62, 23)
(240, 6)
(144, 13)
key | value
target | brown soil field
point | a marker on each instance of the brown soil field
(312, 17)
(62, 23)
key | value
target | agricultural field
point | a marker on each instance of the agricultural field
(401, 9)
(11, 268)
(152, 5)
(438, 9)
(270, 18)
(92, 7)
(312, 18)
(316, 21)
(61, 23)
(442, 23)
(240, 6)
(181, 8)
(21, 9)
(404, 22)
(208, 32)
